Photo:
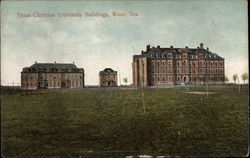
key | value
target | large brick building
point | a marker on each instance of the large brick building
(170, 66)
(52, 75)
(108, 78)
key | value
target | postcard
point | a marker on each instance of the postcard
(124, 78)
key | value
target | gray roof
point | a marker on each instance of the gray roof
(157, 52)
(53, 67)
(108, 71)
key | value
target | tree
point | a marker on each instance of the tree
(244, 77)
(235, 78)
(125, 80)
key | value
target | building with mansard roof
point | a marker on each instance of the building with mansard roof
(158, 66)
(108, 78)
(52, 75)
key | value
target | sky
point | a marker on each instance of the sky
(97, 42)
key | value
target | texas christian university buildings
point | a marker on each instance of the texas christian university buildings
(155, 66)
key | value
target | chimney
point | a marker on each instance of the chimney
(73, 62)
(198, 47)
(201, 45)
(35, 62)
(158, 46)
(55, 62)
(186, 47)
(171, 46)
(148, 47)
(207, 48)
(142, 51)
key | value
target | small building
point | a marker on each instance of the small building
(108, 78)
(52, 75)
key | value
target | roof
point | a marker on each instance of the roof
(108, 71)
(158, 52)
(52, 67)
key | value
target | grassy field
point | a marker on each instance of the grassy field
(86, 122)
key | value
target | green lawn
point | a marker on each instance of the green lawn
(75, 122)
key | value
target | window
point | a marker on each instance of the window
(200, 56)
(190, 63)
(169, 55)
(158, 71)
(169, 78)
(178, 63)
(221, 63)
(221, 71)
(211, 71)
(153, 79)
(184, 56)
(178, 79)
(216, 63)
(163, 63)
(216, 71)
(152, 63)
(194, 63)
(190, 71)
(76, 83)
(163, 71)
(201, 63)
(195, 71)
(152, 70)
(163, 78)
(54, 76)
(185, 63)
(190, 78)
(178, 71)
(169, 63)
(207, 71)
(201, 71)
(211, 63)
(184, 71)
(158, 78)
(169, 71)
(158, 63)
(207, 63)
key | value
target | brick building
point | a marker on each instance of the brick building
(52, 75)
(171, 66)
(108, 78)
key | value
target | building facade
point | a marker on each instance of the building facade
(52, 75)
(108, 78)
(172, 66)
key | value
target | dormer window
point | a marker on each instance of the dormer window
(184, 56)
